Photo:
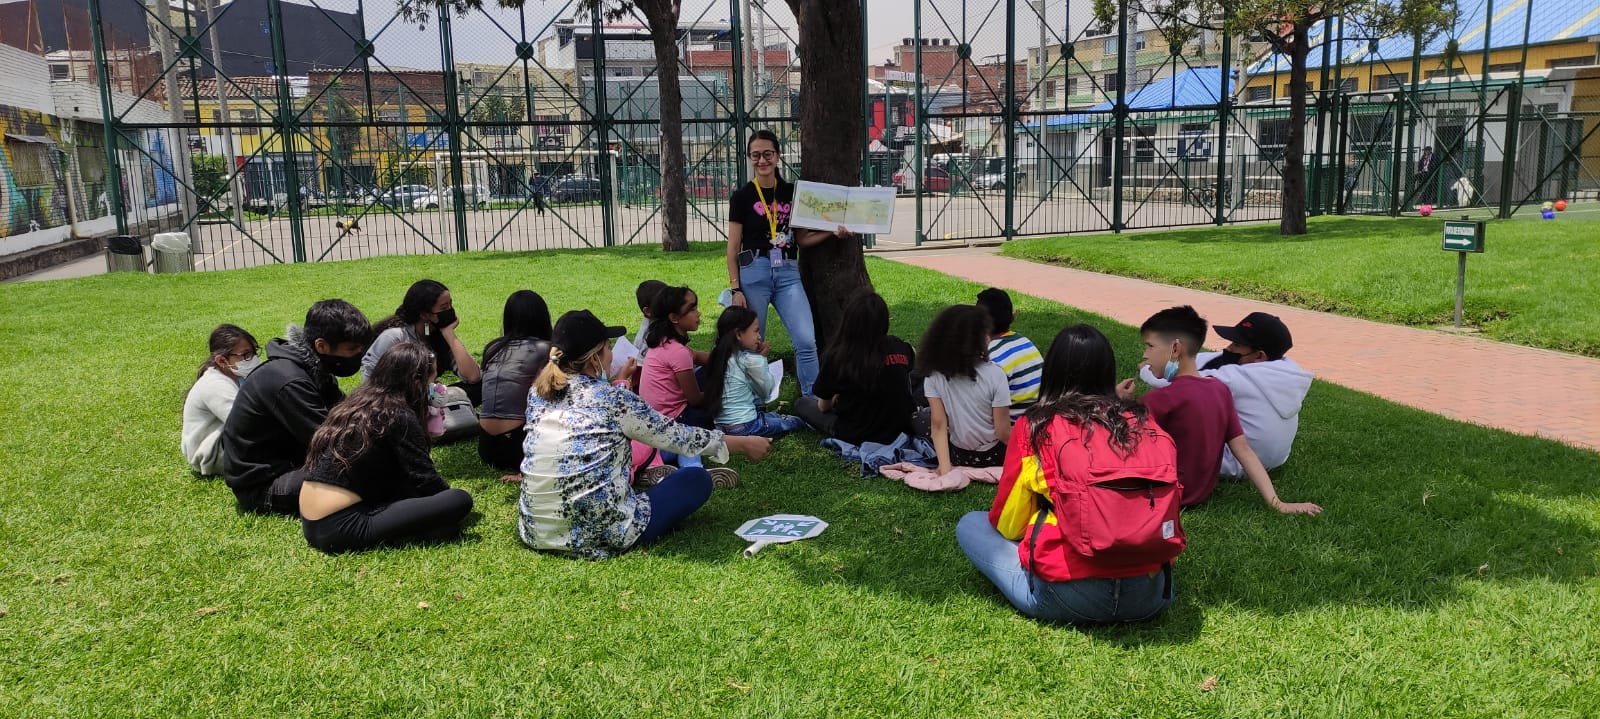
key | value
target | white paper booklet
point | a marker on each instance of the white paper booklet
(621, 353)
(776, 370)
(862, 210)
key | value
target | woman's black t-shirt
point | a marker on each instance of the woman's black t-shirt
(745, 207)
(879, 411)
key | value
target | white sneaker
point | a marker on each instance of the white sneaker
(723, 478)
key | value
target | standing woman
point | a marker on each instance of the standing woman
(234, 353)
(763, 254)
(427, 316)
(510, 363)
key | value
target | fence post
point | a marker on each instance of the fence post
(1120, 113)
(1414, 106)
(1483, 102)
(1008, 118)
(602, 128)
(1395, 194)
(452, 128)
(1508, 163)
(1224, 120)
(741, 119)
(288, 130)
(921, 119)
(1342, 142)
(108, 122)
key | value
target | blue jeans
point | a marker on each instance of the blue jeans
(673, 499)
(1084, 601)
(766, 424)
(779, 286)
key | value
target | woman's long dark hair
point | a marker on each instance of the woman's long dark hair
(666, 303)
(223, 338)
(956, 343)
(419, 300)
(396, 387)
(733, 321)
(526, 317)
(1079, 385)
(856, 351)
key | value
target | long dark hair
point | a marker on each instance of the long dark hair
(395, 388)
(733, 321)
(956, 343)
(223, 338)
(526, 316)
(666, 303)
(855, 352)
(1079, 385)
(419, 300)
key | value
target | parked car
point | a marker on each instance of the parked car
(575, 188)
(447, 198)
(934, 179)
(989, 173)
(404, 197)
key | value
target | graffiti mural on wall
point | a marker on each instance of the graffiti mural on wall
(160, 187)
(32, 193)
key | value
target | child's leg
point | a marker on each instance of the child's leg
(673, 500)
(813, 415)
(774, 425)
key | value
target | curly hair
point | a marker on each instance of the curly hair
(396, 387)
(956, 343)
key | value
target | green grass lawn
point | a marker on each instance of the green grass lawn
(1453, 573)
(1535, 285)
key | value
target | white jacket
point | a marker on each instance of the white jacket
(1267, 396)
(204, 410)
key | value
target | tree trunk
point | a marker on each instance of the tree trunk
(831, 134)
(1294, 152)
(662, 16)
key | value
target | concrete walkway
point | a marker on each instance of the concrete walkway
(1517, 389)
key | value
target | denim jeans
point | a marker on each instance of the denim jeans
(673, 499)
(779, 286)
(766, 424)
(1084, 601)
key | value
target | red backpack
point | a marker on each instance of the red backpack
(1114, 512)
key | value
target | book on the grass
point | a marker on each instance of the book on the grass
(862, 210)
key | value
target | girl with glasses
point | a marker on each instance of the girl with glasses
(234, 353)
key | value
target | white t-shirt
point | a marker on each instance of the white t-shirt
(204, 411)
(970, 403)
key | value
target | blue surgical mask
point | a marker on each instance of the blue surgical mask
(1171, 370)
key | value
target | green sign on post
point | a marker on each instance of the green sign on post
(1462, 236)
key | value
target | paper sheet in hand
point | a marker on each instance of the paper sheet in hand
(776, 370)
(621, 353)
(777, 529)
(860, 210)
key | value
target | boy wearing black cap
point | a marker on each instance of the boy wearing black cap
(1268, 387)
(1198, 411)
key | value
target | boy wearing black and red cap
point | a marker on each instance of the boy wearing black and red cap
(1268, 387)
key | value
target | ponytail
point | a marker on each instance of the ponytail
(551, 384)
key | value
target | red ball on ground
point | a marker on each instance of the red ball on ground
(1561, 205)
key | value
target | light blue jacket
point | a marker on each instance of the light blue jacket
(744, 389)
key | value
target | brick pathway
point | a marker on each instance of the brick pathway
(1517, 389)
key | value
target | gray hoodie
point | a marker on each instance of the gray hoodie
(1267, 396)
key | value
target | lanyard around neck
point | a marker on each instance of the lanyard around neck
(771, 210)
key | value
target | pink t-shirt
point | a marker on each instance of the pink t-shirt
(659, 384)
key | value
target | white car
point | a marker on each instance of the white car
(446, 198)
(995, 180)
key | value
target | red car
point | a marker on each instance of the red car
(934, 179)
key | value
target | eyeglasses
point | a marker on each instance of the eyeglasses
(241, 355)
(763, 155)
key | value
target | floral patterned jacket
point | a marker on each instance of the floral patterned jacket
(577, 465)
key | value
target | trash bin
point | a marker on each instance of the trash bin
(124, 253)
(172, 253)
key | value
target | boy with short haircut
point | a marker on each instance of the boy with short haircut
(268, 432)
(644, 294)
(1014, 353)
(1197, 411)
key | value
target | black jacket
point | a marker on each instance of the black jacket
(280, 405)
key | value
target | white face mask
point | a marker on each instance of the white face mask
(244, 367)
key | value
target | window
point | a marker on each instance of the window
(1370, 130)
(1138, 42)
(1110, 46)
(1050, 87)
(60, 72)
(1288, 88)
(1144, 147)
(30, 162)
(1350, 84)
(247, 116)
(1111, 83)
(1390, 82)
(1583, 61)
(1272, 135)
(1506, 67)
(1258, 93)
(1072, 86)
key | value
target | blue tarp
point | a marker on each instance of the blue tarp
(1191, 88)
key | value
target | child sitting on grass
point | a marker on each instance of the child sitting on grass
(645, 293)
(1197, 411)
(370, 479)
(1014, 353)
(234, 354)
(737, 380)
(863, 393)
(968, 397)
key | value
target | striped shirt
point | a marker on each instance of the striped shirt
(1021, 360)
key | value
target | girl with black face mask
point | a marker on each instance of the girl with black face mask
(427, 315)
